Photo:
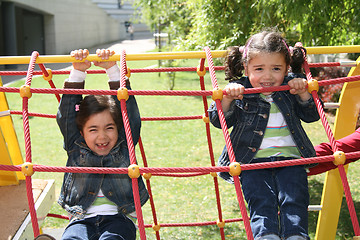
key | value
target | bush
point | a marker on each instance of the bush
(330, 93)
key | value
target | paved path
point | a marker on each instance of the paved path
(142, 42)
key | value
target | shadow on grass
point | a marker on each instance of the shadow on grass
(345, 227)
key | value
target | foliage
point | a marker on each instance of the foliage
(218, 24)
(330, 93)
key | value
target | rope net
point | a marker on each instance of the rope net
(181, 172)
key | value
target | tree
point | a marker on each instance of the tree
(218, 24)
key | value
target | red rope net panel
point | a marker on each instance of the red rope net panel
(174, 171)
(342, 172)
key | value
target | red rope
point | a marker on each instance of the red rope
(168, 92)
(171, 118)
(149, 70)
(178, 174)
(211, 152)
(229, 146)
(51, 83)
(57, 216)
(34, 114)
(160, 170)
(349, 200)
(174, 172)
(148, 185)
(346, 187)
(130, 147)
(29, 192)
(195, 224)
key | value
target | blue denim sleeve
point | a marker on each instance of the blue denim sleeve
(134, 118)
(214, 115)
(306, 110)
(66, 119)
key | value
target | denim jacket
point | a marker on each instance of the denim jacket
(79, 190)
(249, 118)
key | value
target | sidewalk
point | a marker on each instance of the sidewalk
(143, 42)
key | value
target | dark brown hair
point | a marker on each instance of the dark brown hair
(93, 104)
(264, 42)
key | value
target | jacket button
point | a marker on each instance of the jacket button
(110, 194)
(265, 116)
(253, 149)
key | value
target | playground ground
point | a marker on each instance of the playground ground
(143, 42)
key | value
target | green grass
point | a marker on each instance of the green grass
(167, 144)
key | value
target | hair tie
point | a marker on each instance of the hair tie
(77, 107)
(246, 49)
(298, 44)
(290, 50)
(241, 49)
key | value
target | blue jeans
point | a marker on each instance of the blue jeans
(274, 190)
(101, 227)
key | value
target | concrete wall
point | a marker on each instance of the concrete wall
(72, 24)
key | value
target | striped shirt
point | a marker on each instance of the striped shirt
(103, 206)
(277, 139)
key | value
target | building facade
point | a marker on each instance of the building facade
(58, 26)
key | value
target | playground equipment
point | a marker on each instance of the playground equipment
(235, 169)
(16, 221)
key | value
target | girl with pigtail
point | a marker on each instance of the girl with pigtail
(267, 128)
(101, 206)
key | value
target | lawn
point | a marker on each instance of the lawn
(167, 144)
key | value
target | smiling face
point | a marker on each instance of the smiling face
(100, 132)
(266, 70)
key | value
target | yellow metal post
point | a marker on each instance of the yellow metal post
(10, 143)
(345, 124)
(162, 55)
(6, 177)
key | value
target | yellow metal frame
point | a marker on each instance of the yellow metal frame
(163, 55)
(9, 145)
(345, 124)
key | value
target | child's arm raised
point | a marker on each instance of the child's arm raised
(104, 54)
(69, 103)
(306, 108)
(233, 91)
(298, 87)
(80, 54)
(113, 73)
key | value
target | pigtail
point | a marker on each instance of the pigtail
(233, 63)
(297, 58)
